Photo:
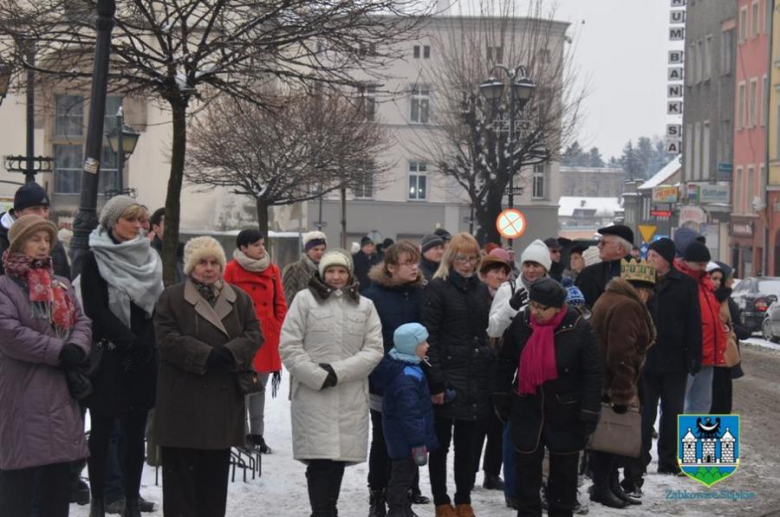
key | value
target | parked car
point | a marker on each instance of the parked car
(754, 295)
(770, 327)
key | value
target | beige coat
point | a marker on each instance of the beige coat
(343, 330)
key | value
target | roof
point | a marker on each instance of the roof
(662, 176)
(605, 206)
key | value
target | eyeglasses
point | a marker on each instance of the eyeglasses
(535, 307)
(461, 259)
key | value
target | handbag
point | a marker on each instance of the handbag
(618, 434)
(249, 381)
(731, 354)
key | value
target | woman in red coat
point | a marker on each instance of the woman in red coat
(251, 270)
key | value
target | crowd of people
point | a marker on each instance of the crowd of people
(442, 353)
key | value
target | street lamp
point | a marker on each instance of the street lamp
(520, 92)
(122, 140)
(5, 80)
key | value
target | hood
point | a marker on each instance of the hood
(378, 277)
(6, 220)
(322, 292)
(387, 370)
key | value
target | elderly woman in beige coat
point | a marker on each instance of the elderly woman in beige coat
(331, 341)
(208, 334)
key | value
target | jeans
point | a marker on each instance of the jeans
(698, 392)
(510, 474)
(115, 483)
(255, 404)
(464, 460)
(670, 390)
(18, 487)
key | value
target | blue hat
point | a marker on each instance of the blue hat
(407, 337)
(574, 296)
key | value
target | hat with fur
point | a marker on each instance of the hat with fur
(335, 258)
(314, 239)
(27, 226)
(199, 248)
(537, 252)
(113, 210)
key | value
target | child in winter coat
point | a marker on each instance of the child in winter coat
(407, 413)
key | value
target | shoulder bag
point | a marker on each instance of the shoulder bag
(618, 434)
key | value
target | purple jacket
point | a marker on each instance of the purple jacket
(40, 424)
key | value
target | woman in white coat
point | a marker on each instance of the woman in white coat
(331, 341)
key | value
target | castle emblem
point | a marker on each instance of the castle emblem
(708, 446)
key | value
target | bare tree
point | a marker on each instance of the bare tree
(179, 51)
(308, 147)
(471, 136)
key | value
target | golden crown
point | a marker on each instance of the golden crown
(641, 271)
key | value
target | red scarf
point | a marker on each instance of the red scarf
(537, 361)
(37, 275)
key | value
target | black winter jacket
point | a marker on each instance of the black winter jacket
(677, 317)
(428, 268)
(455, 311)
(59, 257)
(128, 375)
(555, 416)
(396, 305)
(363, 264)
(593, 280)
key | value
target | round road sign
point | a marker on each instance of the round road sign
(511, 223)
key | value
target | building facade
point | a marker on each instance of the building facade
(708, 120)
(773, 151)
(592, 181)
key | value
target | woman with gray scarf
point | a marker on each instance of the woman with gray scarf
(121, 280)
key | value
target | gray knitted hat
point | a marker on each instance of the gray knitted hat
(113, 210)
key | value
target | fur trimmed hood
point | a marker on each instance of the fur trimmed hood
(379, 277)
(624, 288)
(322, 292)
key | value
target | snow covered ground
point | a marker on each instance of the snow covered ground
(281, 491)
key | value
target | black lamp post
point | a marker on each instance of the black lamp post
(5, 80)
(122, 140)
(86, 219)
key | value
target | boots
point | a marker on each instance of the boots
(376, 502)
(446, 510)
(319, 496)
(465, 510)
(97, 508)
(79, 490)
(493, 482)
(131, 507)
(614, 485)
(600, 493)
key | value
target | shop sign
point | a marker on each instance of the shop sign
(742, 229)
(665, 194)
(714, 194)
(692, 214)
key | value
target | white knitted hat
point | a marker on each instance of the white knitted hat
(315, 235)
(199, 248)
(591, 256)
(537, 252)
(335, 258)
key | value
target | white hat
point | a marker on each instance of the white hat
(199, 248)
(591, 256)
(335, 258)
(314, 236)
(712, 266)
(537, 252)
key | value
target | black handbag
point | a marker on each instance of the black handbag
(96, 357)
(249, 381)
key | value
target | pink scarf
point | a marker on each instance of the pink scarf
(537, 361)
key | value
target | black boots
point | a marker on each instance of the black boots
(377, 504)
(257, 442)
(79, 490)
(324, 482)
(614, 485)
(97, 508)
(493, 482)
(131, 507)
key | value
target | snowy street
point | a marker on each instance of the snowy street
(282, 489)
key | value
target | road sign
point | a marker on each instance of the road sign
(647, 231)
(643, 249)
(511, 223)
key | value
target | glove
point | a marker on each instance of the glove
(220, 356)
(620, 409)
(420, 455)
(70, 356)
(694, 366)
(501, 406)
(331, 380)
(519, 299)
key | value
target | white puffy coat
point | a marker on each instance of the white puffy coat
(347, 334)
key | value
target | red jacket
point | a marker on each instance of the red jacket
(713, 336)
(265, 289)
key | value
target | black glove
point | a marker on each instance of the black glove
(694, 366)
(519, 299)
(620, 409)
(70, 356)
(220, 356)
(501, 405)
(331, 380)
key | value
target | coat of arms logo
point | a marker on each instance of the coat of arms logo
(708, 446)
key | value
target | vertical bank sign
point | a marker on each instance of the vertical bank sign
(674, 88)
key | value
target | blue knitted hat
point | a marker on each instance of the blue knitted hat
(574, 296)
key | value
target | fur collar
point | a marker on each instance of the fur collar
(379, 277)
(322, 292)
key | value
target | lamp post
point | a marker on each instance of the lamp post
(122, 140)
(86, 219)
(5, 80)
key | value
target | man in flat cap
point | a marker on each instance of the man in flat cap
(556, 270)
(615, 244)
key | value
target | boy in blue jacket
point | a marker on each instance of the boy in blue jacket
(407, 413)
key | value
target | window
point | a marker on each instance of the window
(705, 151)
(369, 103)
(69, 115)
(545, 57)
(364, 183)
(752, 102)
(418, 181)
(688, 137)
(738, 192)
(420, 104)
(416, 52)
(750, 189)
(743, 24)
(423, 51)
(708, 57)
(690, 61)
(764, 100)
(697, 151)
(726, 138)
(538, 190)
(700, 61)
(426, 52)
(755, 25)
(495, 54)
(67, 169)
(727, 51)
(741, 105)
